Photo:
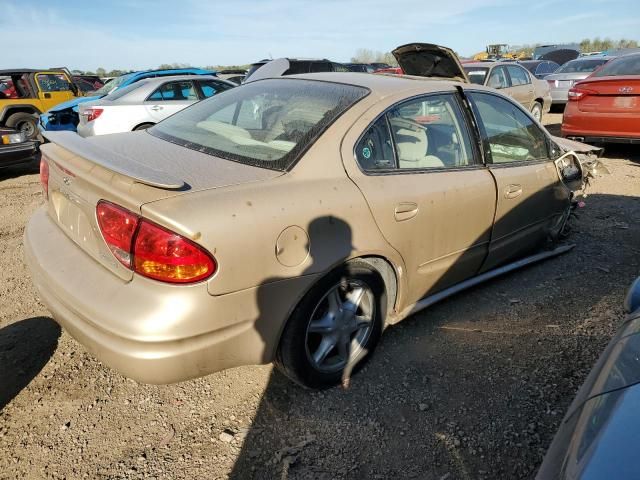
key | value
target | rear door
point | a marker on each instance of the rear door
(521, 89)
(430, 196)
(169, 98)
(531, 199)
(53, 88)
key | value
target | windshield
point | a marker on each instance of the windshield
(268, 124)
(628, 65)
(581, 66)
(476, 75)
(112, 85)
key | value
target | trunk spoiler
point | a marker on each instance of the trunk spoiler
(84, 148)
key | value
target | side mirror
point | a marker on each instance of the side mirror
(632, 300)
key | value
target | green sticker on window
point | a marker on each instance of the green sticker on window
(366, 152)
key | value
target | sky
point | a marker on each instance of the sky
(129, 34)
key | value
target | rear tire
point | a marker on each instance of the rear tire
(335, 327)
(536, 111)
(144, 126)
(24, 122)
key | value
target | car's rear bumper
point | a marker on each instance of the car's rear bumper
(150, 331)
(602, 139)
(17, 153)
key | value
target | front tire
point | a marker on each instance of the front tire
(335, 327)
(24, 122)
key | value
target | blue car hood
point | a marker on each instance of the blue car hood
(73, 104)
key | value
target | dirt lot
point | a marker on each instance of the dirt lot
(472, 388)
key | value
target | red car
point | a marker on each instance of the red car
(605, 107)
(393, 70)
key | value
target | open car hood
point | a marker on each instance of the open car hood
(428, 60)
(273, 69)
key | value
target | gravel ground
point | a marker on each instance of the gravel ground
(472, 388)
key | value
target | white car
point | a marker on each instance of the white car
(145, 103)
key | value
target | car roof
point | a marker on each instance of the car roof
(173, 78)
(381, 84)
(267, 60)
(15, 71)
(489, 64)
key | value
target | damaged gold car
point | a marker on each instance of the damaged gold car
(293, 219)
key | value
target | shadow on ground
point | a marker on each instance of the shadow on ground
(25, 348)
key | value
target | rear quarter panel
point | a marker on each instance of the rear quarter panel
(316, 211)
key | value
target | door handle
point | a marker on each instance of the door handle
(405, 211)
(155, 108)
(513, 191)
(47, 95)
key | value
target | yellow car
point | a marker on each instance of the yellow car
(24, 94)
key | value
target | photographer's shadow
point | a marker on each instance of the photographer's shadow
(25, 348)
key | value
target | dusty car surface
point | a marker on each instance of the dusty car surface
(291, 219)
(515, 81)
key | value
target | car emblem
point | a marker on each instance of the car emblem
(625, 89)
(67, 181)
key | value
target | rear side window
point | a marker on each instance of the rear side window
(628, 65)
(210, 88)
(374, 151)
(268, 124)
(518, 76)
(426, 133)
(174, 91)
(509, 134)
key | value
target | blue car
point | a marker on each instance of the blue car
(64, 116)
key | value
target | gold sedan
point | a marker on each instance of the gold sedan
(290, 219)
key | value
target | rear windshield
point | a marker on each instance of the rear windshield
(267, 123)
(629, 65)
(476, 75)
(581, 66)
(121, 92)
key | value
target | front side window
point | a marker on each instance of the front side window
(50, 82)
(174, 91)
(268, 124)
(510, 135)
(426, 133)
(498, 78)
(518, 75)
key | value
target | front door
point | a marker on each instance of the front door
(531, 199)
(53, 88)
(431, 198)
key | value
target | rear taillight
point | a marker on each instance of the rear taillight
(151, 250)
(92, 113)
(44, 176)
(118, 227)
(164, 255)
(577, 94)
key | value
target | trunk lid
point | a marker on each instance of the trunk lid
(429, 60)
(620, 95)
(129, 170)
